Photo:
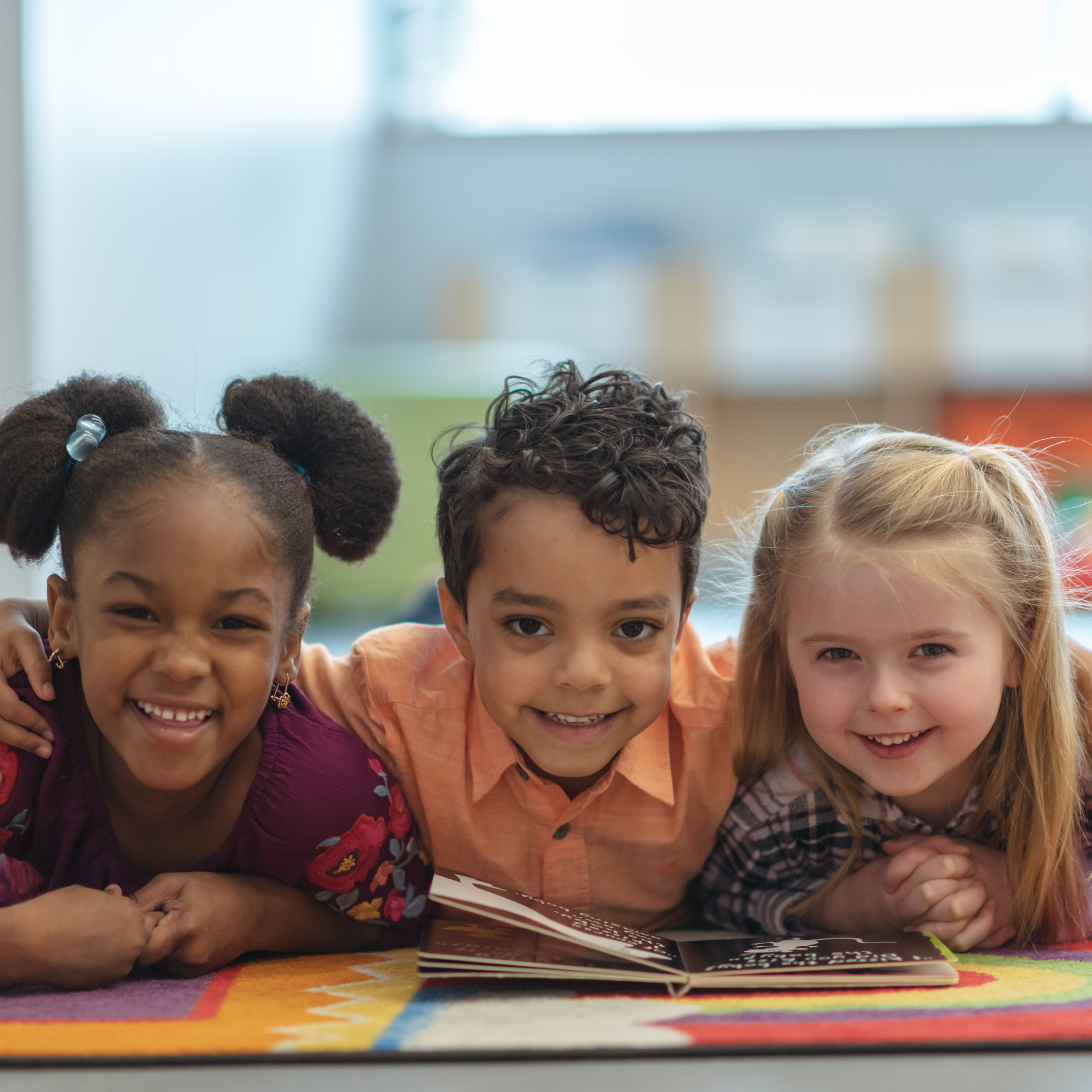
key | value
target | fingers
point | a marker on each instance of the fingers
(939, 843)
(22, 740)
(977, 930)
(922, 862)
(150, 922)
(113, 889)
(896, 845)
(166, 935)
(31, 652)
(999, 937)
(17, 719)
(957, 905)
(158, 892)
(950, 917)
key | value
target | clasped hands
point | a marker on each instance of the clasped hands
(952, 888)
(187, 923)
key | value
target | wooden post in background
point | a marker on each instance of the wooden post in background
(912, 371)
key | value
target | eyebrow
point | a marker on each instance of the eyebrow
(523, 599)
(147, 585)
(513, 597)
(837, 638)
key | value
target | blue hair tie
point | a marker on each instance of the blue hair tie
(303, 473)
(90, 430)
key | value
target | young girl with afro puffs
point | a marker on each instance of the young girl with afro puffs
(196, 805)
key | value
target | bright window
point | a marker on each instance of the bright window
(499, 66)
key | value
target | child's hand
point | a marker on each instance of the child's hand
(73, 938)
(932, 876)
(992, 925)
(21, 650)
(208, 920)
(961, 920)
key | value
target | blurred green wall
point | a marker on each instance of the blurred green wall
(380, 588)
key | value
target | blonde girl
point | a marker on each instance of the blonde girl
(911, 739)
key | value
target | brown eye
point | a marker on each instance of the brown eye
(528, 627)
(635, 629)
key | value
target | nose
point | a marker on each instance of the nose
(887, 692)
(182, 655)
(581, 665)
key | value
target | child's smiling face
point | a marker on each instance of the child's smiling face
(178, 615)
(899, 678)
(571, 641)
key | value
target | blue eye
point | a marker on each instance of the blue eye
(932, 651)
(837, 655)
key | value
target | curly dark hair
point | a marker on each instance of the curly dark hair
(311, 462)
(617, 444)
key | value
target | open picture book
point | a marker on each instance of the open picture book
(523, 937)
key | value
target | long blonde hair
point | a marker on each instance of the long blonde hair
(869, 486)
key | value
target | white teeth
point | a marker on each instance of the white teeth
(183, 715)
(578, 722)
(890, 741)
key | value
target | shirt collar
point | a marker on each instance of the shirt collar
(645, 761)
(489, 751)
(884, 808)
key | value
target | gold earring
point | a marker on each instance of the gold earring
(57, 660)
(281, 700)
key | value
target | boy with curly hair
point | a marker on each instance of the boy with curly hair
(564, 733)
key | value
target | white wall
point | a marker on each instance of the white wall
(14, 363)
(196, 168)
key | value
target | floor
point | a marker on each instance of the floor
(1059, 1072)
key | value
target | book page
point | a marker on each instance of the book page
(759, 954)
(515, 908)
(492, 943)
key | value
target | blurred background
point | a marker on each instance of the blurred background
(805, 212)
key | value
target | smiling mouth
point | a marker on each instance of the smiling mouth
(891, 741)
(184, 718)
(895, 744)
(576, 722)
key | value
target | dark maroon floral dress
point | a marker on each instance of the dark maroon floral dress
(322, 814)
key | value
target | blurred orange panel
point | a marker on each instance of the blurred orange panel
(1059, 424)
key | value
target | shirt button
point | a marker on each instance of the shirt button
(561, 831)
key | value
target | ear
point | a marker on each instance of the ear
(290, 655)
(62, 621)
(455, 621)
(686, 614)
(1014, 671)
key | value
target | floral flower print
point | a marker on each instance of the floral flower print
(366, 911)
(400, 818)
(349, 866)
(350, 858)
(395, 906)
(381, 874)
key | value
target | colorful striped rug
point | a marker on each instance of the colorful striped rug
(375, 1006)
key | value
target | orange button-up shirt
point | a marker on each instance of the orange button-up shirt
(624, 849)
